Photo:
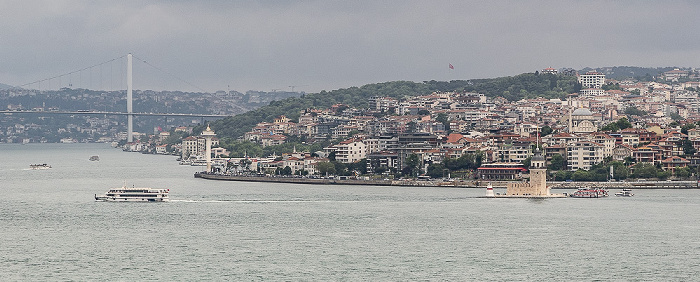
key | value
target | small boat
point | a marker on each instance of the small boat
(95, 158)
(133, 194)
(589, 192)
(624, 193)
(39, 166)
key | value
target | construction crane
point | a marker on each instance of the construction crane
(292, 86)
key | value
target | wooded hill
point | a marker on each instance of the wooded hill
(527, 85)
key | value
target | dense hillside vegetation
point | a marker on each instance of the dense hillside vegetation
(528, 85)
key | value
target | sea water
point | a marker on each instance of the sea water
(51, 228)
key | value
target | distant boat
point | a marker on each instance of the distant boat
(39, 166)
(624, 193)
(589, 193)
(95, 158)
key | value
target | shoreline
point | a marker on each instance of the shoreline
(454, 184)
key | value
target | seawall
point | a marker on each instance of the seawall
(455, 183)
(326, 181)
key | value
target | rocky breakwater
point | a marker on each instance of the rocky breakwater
(335, 181)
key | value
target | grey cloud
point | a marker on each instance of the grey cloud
(332, 44)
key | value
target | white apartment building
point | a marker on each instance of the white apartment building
(607, 141)
(592, 79)
(350, 151)
(193, 146)
(584, 154)
(592, 92)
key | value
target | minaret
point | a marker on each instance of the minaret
(208, 134)
(571, 123)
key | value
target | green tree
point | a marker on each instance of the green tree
(466, 161)
(688, 148)
(686, 127)
(623, 123)
(682, 172)
(581, 175)
(436, 170)
(526, 162)
(644, 170)
(610, 127)
(381, 169)
(325, 168)
(423, 113)
(620, 170)
(635, 112)
(662, 175)
(611, 86)
(562, 175)
(557, 162)
(442, 118)
(676, 116)
(411, 167)
(546, 130)
(341, 168)
(620, 124)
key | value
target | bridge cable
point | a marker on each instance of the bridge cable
(68, 73)
(170, 74)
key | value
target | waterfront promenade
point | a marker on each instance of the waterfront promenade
(447, 183)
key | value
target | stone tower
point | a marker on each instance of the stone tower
(538, 174)
(537, 186)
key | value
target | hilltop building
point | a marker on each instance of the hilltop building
(592, 79)
(549, 70)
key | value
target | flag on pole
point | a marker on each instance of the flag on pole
(452, 67)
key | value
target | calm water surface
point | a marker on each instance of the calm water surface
(52, 229)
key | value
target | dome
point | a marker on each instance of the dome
(582, 112)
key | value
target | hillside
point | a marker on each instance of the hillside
(528, 85)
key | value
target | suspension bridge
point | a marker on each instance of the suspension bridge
(129, 95)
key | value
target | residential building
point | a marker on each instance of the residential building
(584, 154)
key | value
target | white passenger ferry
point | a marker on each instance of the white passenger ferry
(132, 194)
(39, 166)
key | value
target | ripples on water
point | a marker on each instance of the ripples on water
(52, 229)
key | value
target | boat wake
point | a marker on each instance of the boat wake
(241, 201)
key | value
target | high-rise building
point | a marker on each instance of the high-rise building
(592, 79)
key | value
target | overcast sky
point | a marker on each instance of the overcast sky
(325, 45)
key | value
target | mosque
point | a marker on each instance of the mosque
(581, 121)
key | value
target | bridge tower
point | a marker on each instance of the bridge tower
(129, 99)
